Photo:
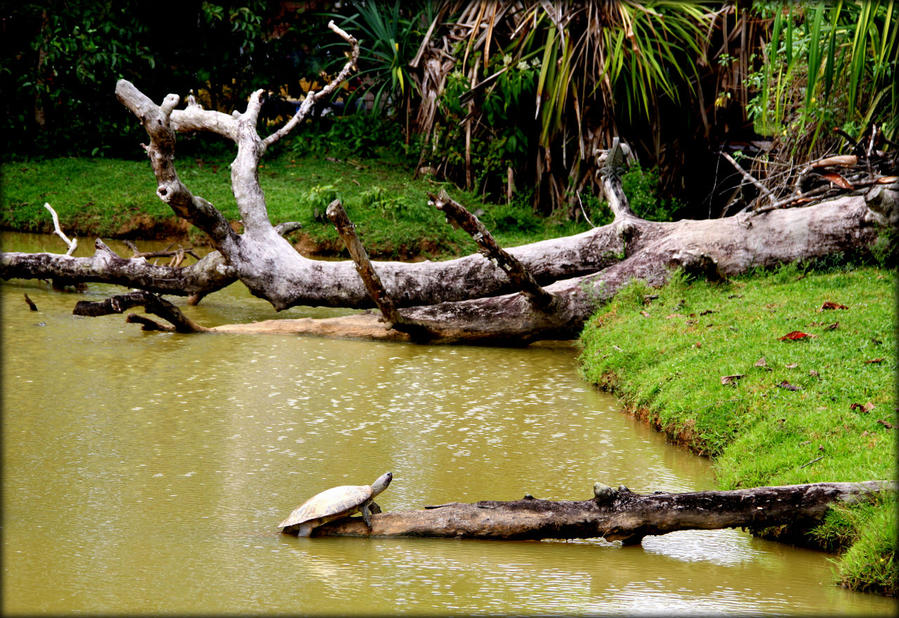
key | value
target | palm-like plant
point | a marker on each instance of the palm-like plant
(823, 72)
(600, 61)
(388, 39)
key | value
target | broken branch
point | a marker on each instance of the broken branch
(152, 304)
(751, 179)
(71, 244)
(370, 278)
(520, 277)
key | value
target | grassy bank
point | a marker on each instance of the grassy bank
(712, 365)
(116, 198)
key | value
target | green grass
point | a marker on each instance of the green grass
(666, 357)
(116, 198)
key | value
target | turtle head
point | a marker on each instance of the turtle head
(381, 484)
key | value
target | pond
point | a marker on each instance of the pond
(147, 472)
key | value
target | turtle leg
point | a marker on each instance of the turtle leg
(366, 514)
(374, 508)
(304, 530)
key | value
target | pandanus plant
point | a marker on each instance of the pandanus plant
(597, 61)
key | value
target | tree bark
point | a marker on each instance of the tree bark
(617, 515)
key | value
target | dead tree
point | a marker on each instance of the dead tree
(543, 290)
(614, 514)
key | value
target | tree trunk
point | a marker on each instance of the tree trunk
(543, 290)
(614, 514)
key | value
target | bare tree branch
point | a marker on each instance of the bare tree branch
(161, 151)
(520, 277)
(750, 178)
(208, 275)
(71, 244)
(370, 278)
(312, 98)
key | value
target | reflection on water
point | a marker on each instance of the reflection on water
(147, 472)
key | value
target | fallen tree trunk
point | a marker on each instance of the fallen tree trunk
(208, 275)
(614, 514)
(545, 290)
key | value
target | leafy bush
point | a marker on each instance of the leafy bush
(62, 61)
(499, 143)
(642, 189)
(597, 211)
(515, 216)
(826, 66)
(357, 134)
(389, 38)
(390, 206)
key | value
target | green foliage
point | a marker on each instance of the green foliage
(356, 134)
(316, 199)
(512, 217)
(632, 296)
(501, 142)
(392, 207)
(800, 411)
(826, 65)
(62, 60)
(641, 186)
(870, 563)
(653, 50)
(576, 76)
(597, 211)
(56, 59)
(388, 40)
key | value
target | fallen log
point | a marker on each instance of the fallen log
(614, 514)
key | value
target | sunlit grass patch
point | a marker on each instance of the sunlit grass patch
(783, 377)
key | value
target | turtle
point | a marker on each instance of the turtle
(335, 503)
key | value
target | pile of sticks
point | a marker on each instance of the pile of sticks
(865, 166)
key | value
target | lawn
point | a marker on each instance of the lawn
(116, 198)
(783, 377)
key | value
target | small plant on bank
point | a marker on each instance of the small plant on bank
(316, 199)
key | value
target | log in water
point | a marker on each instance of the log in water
(614, 514)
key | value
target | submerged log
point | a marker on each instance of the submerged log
(151, 302)
(614, 514)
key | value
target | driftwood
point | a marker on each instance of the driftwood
(615, 514)
(150, 302)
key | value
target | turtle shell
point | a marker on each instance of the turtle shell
(330, 504)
